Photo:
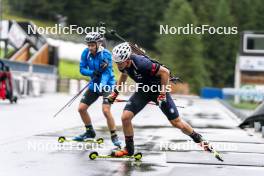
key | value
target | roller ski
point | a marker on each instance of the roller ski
(127, 152)
(63, 139)
(197, 138)
(87, 137)
(116, 154)
(209, 148)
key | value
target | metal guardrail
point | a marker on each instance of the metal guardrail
(47, 69)
(16, 66)
(26, 67)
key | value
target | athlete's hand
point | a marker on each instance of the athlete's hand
(161, 99)
(96, 74)
(176, 80)
(104, 65)
(111, 98)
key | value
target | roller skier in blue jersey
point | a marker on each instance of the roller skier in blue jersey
(96, 62)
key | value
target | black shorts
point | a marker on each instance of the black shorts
(90, 97)
(140, 99)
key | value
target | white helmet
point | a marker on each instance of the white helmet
(93, 37)
(121, 52)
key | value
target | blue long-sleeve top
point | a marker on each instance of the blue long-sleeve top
(90, 63)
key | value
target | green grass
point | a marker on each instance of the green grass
(1, 53)
(9, 51)
(244, 105)
(70, 69)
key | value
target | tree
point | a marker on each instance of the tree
(221, 49)
(43, 9)
(244, 12)
(138, 20)
(203, 9)
(182, 53)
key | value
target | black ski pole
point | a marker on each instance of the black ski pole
(77, 95)
(102, 24)
(71, 100)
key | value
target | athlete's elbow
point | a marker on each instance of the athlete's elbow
(81, 71)
(164, 71)
(84, 72)
(167, 71)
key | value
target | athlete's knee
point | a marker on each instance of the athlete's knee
(127, 117)
(82, 108)
(106, 110)
(178, 123)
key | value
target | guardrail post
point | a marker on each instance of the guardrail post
(262, 131)
(257, 126)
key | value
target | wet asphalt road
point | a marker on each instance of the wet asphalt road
(28, 141)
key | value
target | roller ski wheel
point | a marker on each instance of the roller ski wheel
(93, 155)
(138, 156)
(100, 140)
(61, 139)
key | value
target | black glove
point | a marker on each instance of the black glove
(175, 80)
(161, 99)
(96, 74)
(104, 65)
(111, 98)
